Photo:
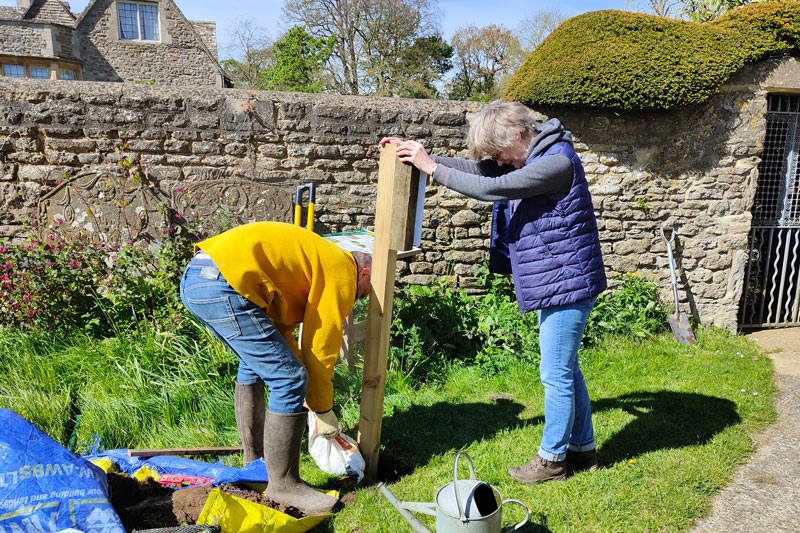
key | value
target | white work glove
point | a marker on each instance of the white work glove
(326, 425)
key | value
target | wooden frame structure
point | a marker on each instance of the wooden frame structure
(395, 210)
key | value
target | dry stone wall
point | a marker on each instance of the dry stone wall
(208, 154)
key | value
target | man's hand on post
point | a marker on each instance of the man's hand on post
(327, 425)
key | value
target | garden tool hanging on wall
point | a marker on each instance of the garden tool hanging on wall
(679, 322)
(298, 205)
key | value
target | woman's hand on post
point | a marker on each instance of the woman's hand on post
(413, 152)
(389, 140)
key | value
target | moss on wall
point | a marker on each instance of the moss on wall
(621, 60)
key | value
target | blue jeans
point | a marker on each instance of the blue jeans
(567, 411)
(247, 330)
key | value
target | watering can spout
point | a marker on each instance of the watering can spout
(412, 520)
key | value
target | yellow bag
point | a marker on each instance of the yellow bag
(236, 515)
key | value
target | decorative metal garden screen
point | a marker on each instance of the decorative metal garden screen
(771, 295)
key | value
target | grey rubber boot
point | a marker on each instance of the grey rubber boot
(249, 408)
(283, 436)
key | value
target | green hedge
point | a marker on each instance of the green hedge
(621, 60)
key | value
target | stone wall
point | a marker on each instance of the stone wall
(20, 39)
(63, 43)
(210, 153)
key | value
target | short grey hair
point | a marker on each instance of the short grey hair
(493, 128)
(362, 260)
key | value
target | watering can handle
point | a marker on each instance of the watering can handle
(527, 514)
(461, 515)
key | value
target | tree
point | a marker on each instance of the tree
(484, 58)
(298, 59)
(371, 38)
(705, 10)
(534, 28)
(421, 64)
(250, 55)
(662, 8)
(695, 10)
(391, 28)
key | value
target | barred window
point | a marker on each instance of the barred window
(138, 21)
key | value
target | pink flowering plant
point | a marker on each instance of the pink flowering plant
(67, 281)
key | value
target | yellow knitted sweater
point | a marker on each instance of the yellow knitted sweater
(295, 276)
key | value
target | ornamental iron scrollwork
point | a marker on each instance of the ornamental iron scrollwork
(106, 205)
(118, 210)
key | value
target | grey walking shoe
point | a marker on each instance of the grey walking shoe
(283, 436)
(539, 470)
(578, 461)
(249, 408)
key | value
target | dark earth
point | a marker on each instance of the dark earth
(149, 504)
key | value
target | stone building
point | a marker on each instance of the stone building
(146, 41)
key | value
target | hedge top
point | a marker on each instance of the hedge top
(622, 60)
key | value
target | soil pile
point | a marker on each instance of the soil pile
(149, 504)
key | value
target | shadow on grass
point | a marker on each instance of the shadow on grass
(421, 432)
(664, 419)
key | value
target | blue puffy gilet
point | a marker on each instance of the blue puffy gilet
(551, 248)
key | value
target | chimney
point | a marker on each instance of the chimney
(24, 4)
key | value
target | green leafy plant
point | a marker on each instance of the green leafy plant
(433, 328)
(632, 310)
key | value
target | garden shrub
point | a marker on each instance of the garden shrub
(440, 326)
(432, 328)
(68, 281)
(622, 60)
(632, 310)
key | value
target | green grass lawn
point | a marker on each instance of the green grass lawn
(671, 421)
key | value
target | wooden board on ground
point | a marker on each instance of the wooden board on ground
(184, 451)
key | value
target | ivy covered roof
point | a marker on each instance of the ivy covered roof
(622, 60)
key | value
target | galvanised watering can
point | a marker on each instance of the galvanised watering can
(465, 505)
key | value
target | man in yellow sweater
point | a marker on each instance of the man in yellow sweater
(252, 286)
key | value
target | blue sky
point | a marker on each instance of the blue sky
(455, 13)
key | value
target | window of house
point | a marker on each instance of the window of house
(138, 21)
(66, 74)
(14, 71)
(40, 73)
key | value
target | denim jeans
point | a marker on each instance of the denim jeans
(247, 330)
(567, 411)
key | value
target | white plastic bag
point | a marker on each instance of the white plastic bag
(338, 456)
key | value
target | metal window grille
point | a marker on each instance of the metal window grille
(771, 295)
(777, 199)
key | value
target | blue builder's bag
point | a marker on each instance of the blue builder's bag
(45, 487)
(141, 467)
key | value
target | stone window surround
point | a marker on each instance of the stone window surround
(54, 66)
(164, 35)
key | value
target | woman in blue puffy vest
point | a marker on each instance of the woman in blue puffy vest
(544, 233)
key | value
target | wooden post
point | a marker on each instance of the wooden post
(394, 230)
